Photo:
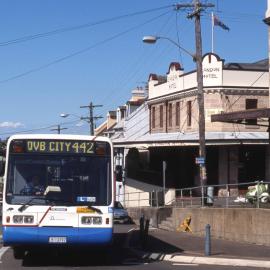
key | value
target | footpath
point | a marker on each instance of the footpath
(183, 247)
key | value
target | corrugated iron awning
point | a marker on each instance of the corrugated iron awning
(241, 117)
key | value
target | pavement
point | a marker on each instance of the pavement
(184, 247)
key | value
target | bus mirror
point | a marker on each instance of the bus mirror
(52, 189)
(2, 166)
(118, 173)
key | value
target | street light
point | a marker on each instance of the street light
(200, 96)
(154, 39)
(65, 115)
(89, 119)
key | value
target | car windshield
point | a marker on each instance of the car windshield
(83, 180)
(118, 205)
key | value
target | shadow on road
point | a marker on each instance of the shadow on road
(158, 246)
(73, 258)
(153, 244)
(115, 255)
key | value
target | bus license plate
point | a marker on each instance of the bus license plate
(57, 240)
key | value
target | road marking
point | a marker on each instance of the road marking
(217, 261)
(126, 245)
(2, 251)
(132, 229)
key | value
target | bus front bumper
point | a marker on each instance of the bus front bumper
(16, 235)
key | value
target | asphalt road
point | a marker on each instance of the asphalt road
(121, 256)
(118, 255)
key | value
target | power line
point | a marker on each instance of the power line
(36, 129)
(146, 63)
(135, 68)
(80, 51)
(77, 27)
(58, 129)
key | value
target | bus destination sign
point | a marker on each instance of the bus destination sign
(60, 146)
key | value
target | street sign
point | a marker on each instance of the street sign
(200, 160)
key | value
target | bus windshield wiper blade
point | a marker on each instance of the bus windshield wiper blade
(94, 208)
(25, 205)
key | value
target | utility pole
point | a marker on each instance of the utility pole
(91, 117)
(198, 7)
(58, 129)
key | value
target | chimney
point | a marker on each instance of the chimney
(137, 94)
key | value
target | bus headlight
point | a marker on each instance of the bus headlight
(91, 220)
(97, 220)
(28, 219)
(86, 220)
(18, 219)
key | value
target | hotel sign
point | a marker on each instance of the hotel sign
(212, 70)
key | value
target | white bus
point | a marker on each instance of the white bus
(58, 191)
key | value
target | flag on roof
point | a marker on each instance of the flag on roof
(218, 22)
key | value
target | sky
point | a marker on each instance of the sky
(56, 56)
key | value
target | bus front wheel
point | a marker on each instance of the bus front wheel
(18, 252)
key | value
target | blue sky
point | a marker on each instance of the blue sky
(100, 56)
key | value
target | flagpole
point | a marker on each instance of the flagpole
(212, 24)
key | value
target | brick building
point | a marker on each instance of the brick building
(165, 127)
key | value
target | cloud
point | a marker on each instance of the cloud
(11, 124)
(80, 124)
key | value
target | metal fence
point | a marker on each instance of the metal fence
(250, 195)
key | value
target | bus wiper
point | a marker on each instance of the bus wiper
(94, 208)
(27, 204)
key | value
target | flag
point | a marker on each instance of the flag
(218, 22)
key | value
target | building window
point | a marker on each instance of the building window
(161, 116)
(177, 114)
(170, 114)
(153, 117)
(189, 113)
(251, 104)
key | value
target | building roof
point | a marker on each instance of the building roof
(159, 78)
(242, 116)
(101, 128)
(112, 113)
(176, 65)
(189, 139)
(136, 103)
(120, 125)
(262, 65)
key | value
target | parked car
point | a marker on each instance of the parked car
(120, 214)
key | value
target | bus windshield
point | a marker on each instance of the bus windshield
(83, 179)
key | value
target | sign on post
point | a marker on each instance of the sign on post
(200, 160)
